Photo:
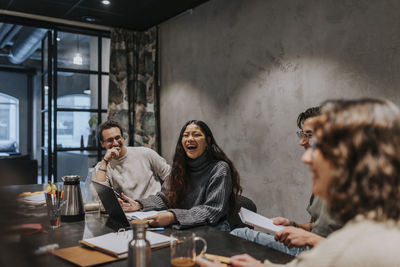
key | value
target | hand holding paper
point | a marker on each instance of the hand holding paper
(297, 237)
(251, 218)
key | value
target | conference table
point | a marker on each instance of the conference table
(68, 235)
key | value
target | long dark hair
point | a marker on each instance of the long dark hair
(179, 174)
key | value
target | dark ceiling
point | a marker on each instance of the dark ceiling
(129, 14)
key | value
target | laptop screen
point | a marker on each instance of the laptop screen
(117, 218)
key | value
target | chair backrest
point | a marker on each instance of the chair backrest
(16, 170)
(234, 219)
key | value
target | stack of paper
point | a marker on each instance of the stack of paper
(34, 198)
(254, 219)
(140, 215)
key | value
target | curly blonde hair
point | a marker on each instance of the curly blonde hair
(361, 138)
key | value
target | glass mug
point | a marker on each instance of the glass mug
(183, 248)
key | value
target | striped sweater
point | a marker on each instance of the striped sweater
(210, 186)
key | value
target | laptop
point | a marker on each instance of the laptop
(117, 218)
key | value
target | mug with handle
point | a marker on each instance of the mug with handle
(183, 248)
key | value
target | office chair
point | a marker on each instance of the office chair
(234, 219)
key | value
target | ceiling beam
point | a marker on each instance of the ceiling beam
(55, 20)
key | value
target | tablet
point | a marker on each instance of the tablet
(117, 218)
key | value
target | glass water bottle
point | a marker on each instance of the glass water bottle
(139, 250)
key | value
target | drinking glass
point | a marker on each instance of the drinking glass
(54, 213)
(183, 248)
(91, 199)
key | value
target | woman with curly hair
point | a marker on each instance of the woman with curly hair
(202, 187)
(355, 165)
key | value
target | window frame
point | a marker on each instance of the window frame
(53, 110)
(15, 121)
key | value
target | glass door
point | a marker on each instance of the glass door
(74, 101)
(47, 113)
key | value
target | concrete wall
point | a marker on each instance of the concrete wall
(248, 68)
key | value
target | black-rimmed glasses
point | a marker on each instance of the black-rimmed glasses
(301, 135)
(111, 139)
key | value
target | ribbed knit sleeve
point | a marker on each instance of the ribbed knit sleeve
(216, 195)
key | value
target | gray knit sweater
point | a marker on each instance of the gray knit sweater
(210, 186)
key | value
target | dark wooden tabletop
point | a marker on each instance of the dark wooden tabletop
(18, 249)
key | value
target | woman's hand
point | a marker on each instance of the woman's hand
(129, 204)
(214, 262)
(162, 219)
(245, 260)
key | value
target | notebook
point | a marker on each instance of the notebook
(254, 219)
(84, 257)
(116, 244)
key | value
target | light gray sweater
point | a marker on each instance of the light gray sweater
(206, 202)
(137, 173)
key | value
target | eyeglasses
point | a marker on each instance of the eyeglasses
(111, 139)
(302, 135)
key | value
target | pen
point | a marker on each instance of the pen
(60, 198)
(47, 248)
(221, 261)
(156, 229)
(119, 196)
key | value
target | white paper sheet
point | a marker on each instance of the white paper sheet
(255, 219)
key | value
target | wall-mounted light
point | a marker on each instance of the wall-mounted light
(106, 2)
(77, 60)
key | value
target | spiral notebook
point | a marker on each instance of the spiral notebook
(116, 244)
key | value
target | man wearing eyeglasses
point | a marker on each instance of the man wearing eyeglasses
(133, 171)
(295, 238)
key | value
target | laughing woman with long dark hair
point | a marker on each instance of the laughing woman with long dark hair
(202, 187)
